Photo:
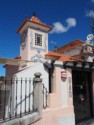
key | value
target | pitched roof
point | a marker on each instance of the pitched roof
(70, 45)
(35, 20)
(60, 57)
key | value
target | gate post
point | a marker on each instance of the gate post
(38, 97)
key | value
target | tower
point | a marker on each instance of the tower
(34, 39)
(87, 51)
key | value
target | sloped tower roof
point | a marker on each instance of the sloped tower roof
(34, 20)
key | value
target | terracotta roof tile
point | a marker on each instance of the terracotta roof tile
(17, 57)
(70, 45)
(67, 58)
(60, 57)
(35, 20)
(50, 53)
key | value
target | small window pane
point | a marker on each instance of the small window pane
(38, 39)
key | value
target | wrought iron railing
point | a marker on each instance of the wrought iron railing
(16, 98)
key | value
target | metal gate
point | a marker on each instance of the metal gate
(82, 95)
(17, 98)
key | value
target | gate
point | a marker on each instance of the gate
(82, 95)
(17, 98)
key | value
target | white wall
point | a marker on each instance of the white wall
(30, 71)
(64, 91)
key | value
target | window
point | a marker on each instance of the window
(38, 39)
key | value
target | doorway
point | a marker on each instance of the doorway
(82, 95)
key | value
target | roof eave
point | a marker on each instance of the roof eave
(27, 20)
(24, 22)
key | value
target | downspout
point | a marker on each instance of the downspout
(50, 72)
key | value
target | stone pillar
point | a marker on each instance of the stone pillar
(38, 96)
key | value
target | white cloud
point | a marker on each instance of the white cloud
(52, 42)
(71, 22)
(60, 28)
(90, 13)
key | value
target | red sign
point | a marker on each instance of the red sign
(63, 74)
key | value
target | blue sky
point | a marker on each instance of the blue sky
(71, 19)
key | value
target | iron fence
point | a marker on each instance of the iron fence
(16, 98)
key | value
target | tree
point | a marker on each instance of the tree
(1, 78)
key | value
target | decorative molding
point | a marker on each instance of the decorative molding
(23, 39)
(70, 87)
(38, 58)
(38, 29)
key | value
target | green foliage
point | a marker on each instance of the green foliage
(1, 78)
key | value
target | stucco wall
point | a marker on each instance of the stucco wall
(11, 70)
(60, 110)
(30, 71)
(26, 75)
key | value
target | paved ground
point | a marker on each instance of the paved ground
(89, 122)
